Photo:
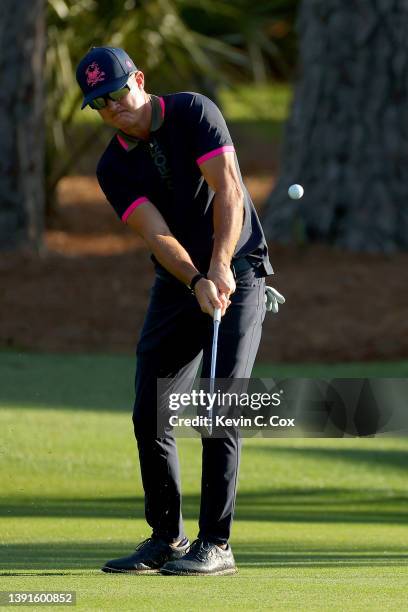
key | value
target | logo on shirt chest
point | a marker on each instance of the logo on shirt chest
(161, 163)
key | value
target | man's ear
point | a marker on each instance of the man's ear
(139, 78)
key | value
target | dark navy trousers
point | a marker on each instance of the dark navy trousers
(175, 337)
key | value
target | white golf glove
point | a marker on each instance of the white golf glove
(272, 299)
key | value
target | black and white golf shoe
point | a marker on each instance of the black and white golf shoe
(148, 557)
(203, 559)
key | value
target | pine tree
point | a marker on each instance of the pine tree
(22, 56)
(347, 136)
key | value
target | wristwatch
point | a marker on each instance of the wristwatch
(195, 280)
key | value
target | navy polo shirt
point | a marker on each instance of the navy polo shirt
(186, 130)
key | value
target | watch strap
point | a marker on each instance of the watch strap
(195, 280)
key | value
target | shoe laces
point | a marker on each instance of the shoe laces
(145, 544)
(200, 550)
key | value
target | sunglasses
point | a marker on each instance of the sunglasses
(101, 101)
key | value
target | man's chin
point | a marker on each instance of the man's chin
(123, 124)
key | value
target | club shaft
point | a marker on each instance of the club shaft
(213, 368)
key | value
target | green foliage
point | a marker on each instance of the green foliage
(180, 44)
(263, 30)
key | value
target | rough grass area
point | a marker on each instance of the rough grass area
(320, 524)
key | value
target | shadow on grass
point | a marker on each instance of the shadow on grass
(54, 556)
(104, 383)
(396, 459)
(267, 555)
(312, 505)
(67, 382)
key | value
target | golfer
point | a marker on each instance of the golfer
(171, 173)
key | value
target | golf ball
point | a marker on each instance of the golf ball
(296, 192)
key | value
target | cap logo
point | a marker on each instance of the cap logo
(128, 63)
(94, 74)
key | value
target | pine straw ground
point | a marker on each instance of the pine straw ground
(89, 290)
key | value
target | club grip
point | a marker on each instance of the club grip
(217, 314)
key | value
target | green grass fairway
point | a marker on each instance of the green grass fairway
(320, 524)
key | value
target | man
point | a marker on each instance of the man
(171, 173)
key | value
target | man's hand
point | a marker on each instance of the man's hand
(223, 279)
(208, 298)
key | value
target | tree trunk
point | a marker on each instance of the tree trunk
(22, 56)
(347, 137)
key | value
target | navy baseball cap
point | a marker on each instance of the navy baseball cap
(102, 70)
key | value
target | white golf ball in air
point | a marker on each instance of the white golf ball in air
(296, 192)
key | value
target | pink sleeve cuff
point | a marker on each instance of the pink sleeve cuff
(132, 207)
(225, 149)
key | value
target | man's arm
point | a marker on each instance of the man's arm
(221, 174)
(147, 221)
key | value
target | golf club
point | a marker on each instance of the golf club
(216, 323)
